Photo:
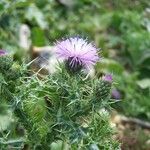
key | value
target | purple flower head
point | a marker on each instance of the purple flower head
(78, 52)
(108, 78)
(2, 52)
(116, 94)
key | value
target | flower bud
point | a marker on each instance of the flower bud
(103, 87)
(5, 60)
(107, 78)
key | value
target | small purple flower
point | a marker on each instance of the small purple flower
(108, 78)
(78, 52)
(2, 52)
(116, 94)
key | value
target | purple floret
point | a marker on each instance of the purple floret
(2, 52)
(79, 50)
(108, 78)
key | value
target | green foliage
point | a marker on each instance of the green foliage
(57, 106)
(134, 39)
(60, 107)
(137, 105)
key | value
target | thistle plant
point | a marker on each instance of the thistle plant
(62, 110)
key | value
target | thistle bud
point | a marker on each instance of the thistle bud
(107, 78)
(5, 60)
(103, 88)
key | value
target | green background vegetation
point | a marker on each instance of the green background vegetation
(121, 28)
